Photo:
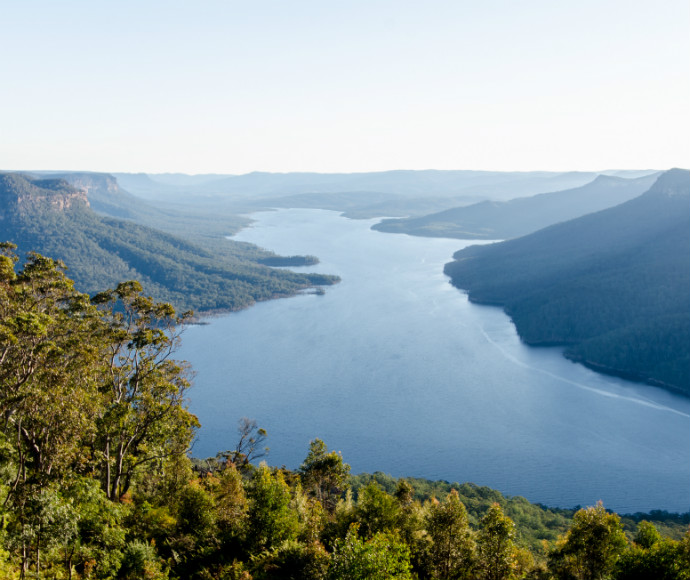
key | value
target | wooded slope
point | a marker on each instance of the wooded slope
(500, 220)
(613, 285)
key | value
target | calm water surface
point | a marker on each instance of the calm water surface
(396, 369)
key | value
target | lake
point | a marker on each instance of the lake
(397, 370)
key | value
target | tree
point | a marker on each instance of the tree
(324, 475)
(49, 350)
(291, 561)
(248, 445)
(661, 561)
(95, 551)
(591, 547)
(145, 417)
(382, 557)
(452, 552)
(376, 511)
(271, 520)
(43, 520)
(495, 546)
(653, 557)
(647, 535)
(139, 560)
(231, 504)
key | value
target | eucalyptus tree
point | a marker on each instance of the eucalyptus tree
(249, 445)
(271, 519)
(381, 557)
(377, 511)
(495, 545)
(49, 349)
(452, 554)
(591, 547)
(145, 417)
(324, 474)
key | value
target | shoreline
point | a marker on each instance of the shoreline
(593, 366)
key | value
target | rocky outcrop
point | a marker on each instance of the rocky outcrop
(23, 194)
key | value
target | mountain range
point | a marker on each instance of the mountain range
(358, 195)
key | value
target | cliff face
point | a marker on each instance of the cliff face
(105, 194)
(102, 183)
(56, 201)
(20, 195)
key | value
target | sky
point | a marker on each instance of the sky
(222, 86)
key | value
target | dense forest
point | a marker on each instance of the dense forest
(499, 220)
(51, 217)
(96, 481)
(613, 286)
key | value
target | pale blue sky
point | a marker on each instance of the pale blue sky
(295, 85)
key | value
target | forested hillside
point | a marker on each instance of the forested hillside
(96, 482)
(53, 218)
(613, 285)
(499, 220)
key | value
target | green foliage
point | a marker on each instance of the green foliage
(231, 507)
(140, 562)
(452, 554)
(647, 535)
(376, 511)
(292, 561)
(495, 545)
(271, 520)
(96, 549)
(536, 523)
(381, 557)
(88, 394)
(324, 475)
(592, 546)
(654, 558)
(145, 417)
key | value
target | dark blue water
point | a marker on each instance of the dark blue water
(396, 369)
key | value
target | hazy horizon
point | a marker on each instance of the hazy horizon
(607, 170)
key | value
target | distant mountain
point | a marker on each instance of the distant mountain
(357, 195)
(613, 286)
(55, 219)
(498, 220)
(193, 220)
(486, 184)
(104, 194)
